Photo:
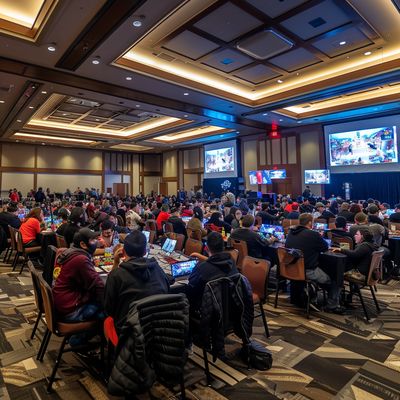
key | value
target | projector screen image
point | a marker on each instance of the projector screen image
(364, 146)
(277, 173)
(316, 176)
(219, 160)
(259, 177)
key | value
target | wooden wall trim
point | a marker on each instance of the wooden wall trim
(193, 170)
(151, 173)
(52, 171)
(169, 179)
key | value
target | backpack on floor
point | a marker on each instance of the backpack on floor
(257, 356)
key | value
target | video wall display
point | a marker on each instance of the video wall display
(265, 176)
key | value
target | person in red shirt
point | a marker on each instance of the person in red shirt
(163, 216)
(30, 228)
(14, 197)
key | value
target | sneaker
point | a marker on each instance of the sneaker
(337, 310)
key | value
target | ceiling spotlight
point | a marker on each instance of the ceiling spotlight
(280, 81)
(185, 116)
(2, 101)
(265, 114)
(52, 47)
(44, 92)
(138, 21)
(137, 105)
(342, 43)
(280, 120)
(367, 53)
(65, 114)
(18, 120)
(96, 60)
(186, 94)
(31, 107)
(128, 78)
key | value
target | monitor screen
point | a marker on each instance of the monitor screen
(277, 173)
(319, 226)
(183, 268)
(147, 234)
(220, 160)
(169, 245)
(316, 176)
(260, 177)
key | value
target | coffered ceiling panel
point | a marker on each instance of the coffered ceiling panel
(226, 60)
(257, 73)
(295, 59)
(274, 8)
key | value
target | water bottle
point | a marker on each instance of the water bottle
(115, 240)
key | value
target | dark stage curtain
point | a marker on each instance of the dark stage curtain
(383, 186)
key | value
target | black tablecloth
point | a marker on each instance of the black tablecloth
(334, 264)
(394, 247)
(46, 239)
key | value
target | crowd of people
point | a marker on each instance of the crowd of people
(95, 222)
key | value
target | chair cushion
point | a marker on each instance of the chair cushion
(35, 249)
(68, 328)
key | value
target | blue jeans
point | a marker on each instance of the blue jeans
(322, 278)
(86, 312)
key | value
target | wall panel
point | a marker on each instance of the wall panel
(190, 181)
(61, 182)
(250, 158)
(110, 179)
(135, 174)
(22, 181)
(276, 151)
(150, 183)
(170, 164)
(15, 155)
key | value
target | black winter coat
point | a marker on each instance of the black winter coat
(151, 344)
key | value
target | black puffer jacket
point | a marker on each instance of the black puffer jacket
(234, 295)
(151, 344)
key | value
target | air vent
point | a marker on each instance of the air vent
(317, 22)
(264, 44)
(165, 57)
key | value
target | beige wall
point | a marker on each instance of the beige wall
(63, 158)
(150, 183)
(249, 159)
(172, 188)
(15, 155)
(151, 162)
(190, 181)
(170, 164)
(135, 174)
(22, 181)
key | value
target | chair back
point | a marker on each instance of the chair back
(13, 239)
(290, 266)
(258, 220)
(256, 270)
(375, 268)
(20, 243)
(394, 227)
(234, 253)
(180, 239)
(48, 305)
(288, 223)
(241, 247)
(152, 236)
(343, 242)
(36, 286)
(193, 246)
(331, 223)
(321, 221)
(200, 257)
(121, 221)
(194, 234)
(214, 228)
(151, 225)
(48, 264)
(168, 227)
(61, 242)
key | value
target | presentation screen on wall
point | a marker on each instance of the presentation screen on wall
(220, 160)
(259, 177)
(253, 177)
(277, 173)
(370, 145)
(316, 176)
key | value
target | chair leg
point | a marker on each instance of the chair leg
(276, 293)
(264, 319)
(36, 324)
(308, 300)
(46, 344)
(53, 374)
(15, 261)
(6, 254)
(23, 264)
(375, 300)
(206, 367)
(42, 344)
(9, 255)
(362, 303)
(183, 391)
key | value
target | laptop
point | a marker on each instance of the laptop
(181, 270)
(390, 211)
(328, 242)
(186, 219)
(272, 230)
(319, 226)
(168, 246)
(147, 234)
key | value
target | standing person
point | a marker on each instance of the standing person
(307, 192)
(40, 197)
(14, 196)
(76, 219)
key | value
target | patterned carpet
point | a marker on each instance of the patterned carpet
(325, 357)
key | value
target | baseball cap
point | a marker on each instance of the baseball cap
(319, 204)
(84, 235)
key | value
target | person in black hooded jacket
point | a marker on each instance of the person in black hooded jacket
(135, 278)
(218, 265)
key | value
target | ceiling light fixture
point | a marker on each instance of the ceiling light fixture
(43, 92)
(18, 120)
(96, 60)
(2, 101)
(31, 107)
(265, 114)
(280, 81)
(63, 139)
(367, 53)
(128, 78)
(186, 94)
(138, 21)
(52, 47)
(137, 105)
(342, 43)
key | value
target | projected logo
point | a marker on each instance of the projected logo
(225, 185)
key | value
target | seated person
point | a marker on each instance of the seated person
(323, 212)
(377, 230)
(373, 215)
(76, 219)
(237, 220)
(218, 265)
(360, 257)
(340, 228)
(108, 234)
(63, 214)
(195, 224)
(306, 207)
(78, 289)
(344, 212)
(217, 223)
(303, 238)
(163, 216)
(10, 217)
(395, 217)
(117, 228)
(256, 245)
(177, 222)
(31, 228)
(294, 214)
(135, 278)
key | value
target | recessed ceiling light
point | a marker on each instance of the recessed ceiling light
(342, 43)
(137, 105)
(299, 122)
(137, 23)
(280, 81)
(52, 47)
(265, 114)
(96, 61)
(128, 78)
(97, 120)
(31, 107)
(43, 144)
(280, 120)
(65, 114)
(186, 94)
(185, 116)
(2, 101)
(367, 53)
(44, 92)
(18, 120)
